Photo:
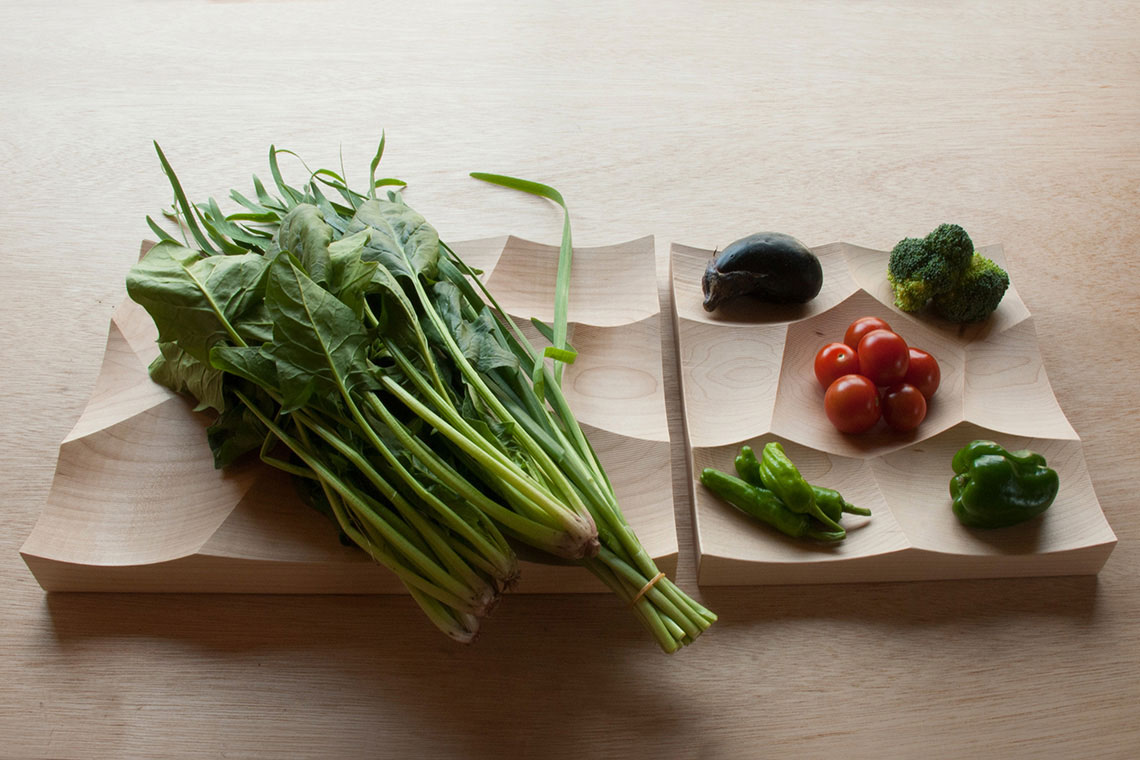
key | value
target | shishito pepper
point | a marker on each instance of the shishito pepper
(765, 506)
(782, 478)
(827, 499)
(995, 488)
(834, 505)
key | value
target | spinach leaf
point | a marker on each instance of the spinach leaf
(235, 432)
(477, 338)
(319, 345)
(182, 373)
(304, 234)
(195, 301)
(401, 240)
(251, 363)
(350, 277)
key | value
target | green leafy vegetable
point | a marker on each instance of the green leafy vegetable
(318, 344)
(197, 300)
(350, 347)
(181, 372)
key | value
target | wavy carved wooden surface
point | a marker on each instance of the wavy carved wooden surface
(747, 377)
(136, 504)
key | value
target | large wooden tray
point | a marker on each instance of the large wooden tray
(136, 504)
(746, 376)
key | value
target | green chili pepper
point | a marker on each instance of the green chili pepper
(834, 505)
(748, 466)
(765, 506)
(995, 488)
(782, 478)
(828, 499)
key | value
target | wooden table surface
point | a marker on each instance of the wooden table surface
(697, 123)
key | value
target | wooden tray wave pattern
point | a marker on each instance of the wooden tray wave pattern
(746, 377)
(136, 504)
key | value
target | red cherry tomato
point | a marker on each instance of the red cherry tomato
(904, 407)
(883, 357)
(860, 327)
(852, 404)
(923, 372)
(833, 361)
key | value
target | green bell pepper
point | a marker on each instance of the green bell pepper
(995, 488)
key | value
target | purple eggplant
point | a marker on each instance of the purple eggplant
(769, 266)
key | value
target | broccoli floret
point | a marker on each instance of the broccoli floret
(952, 242)
(920, 269)
(976, 294)
(911, 272)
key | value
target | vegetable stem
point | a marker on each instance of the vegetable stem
(464, 438)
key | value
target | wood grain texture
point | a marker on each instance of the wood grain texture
(697, 123)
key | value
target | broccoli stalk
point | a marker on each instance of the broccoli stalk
(943, 270)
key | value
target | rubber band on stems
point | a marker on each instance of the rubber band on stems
(645, 589)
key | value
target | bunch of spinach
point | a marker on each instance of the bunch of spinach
(340, 339)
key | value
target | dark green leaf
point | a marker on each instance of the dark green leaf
(499, 434)
(401, 240)
(454, 269)
(213, 221)
(349, 276)
(331, 179)
(255, 326)
(448, 271)
(293, 196)
(402, 321)
(372, 166)
(318, 343)
(163, 235)
(262, 213)
(250, 363)
(182, 373)
(305, 234)
(477, 338)
(336, 216)
(188, 211)
(235, 432)
(225, 227)
(195, 301)
(264, 196)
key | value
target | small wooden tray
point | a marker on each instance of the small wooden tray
(747, 377)
(136, 504)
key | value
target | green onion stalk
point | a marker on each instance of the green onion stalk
(348, 346)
